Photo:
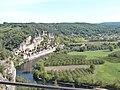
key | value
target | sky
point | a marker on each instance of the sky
(54, 11)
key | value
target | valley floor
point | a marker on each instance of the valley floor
(93, 54)
(107, 72)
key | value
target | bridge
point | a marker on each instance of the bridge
(40, 86)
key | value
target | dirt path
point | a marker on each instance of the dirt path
(72, 67)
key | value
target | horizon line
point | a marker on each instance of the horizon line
(60, 22)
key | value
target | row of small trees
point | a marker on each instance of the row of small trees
(60, 75)
(93, 47)
(65, 59)
(70, 75)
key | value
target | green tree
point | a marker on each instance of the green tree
(111, 48)
(118, 44)
(2, 68)
(92, 68)
(39, 71)
(4, 54)
(83, 48)
(57, 49)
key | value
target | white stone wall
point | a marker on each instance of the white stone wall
(41, 53)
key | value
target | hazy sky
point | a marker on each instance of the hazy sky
(92, 11)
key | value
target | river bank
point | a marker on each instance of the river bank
(25, 69)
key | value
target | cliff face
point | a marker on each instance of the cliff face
(9, 74)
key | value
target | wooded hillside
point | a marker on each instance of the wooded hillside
(12, 34)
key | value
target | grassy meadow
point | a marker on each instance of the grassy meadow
(93, 54)
(108, 72)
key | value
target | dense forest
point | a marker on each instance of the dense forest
(111, 23)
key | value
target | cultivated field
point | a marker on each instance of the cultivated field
(107, 72)
(71, 67)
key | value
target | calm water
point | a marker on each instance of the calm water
(25, 70)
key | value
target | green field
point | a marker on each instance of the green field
(108, 72)
(93, 54)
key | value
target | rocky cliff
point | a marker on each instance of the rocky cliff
(7, 73)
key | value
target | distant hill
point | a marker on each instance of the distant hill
(12, 34)
(111, 23)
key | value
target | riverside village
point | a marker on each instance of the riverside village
(32, 48)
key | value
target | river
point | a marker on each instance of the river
(25, 70)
